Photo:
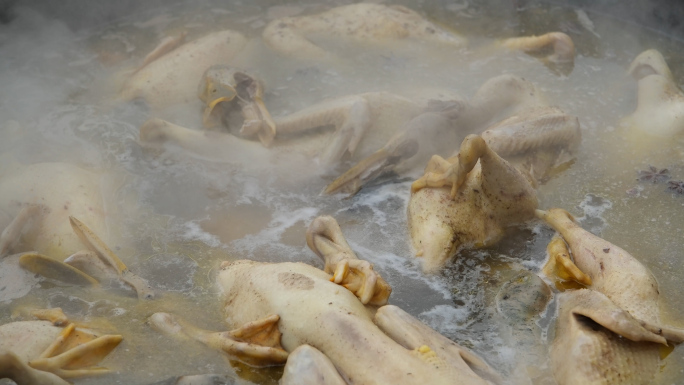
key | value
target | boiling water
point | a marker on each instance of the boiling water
(174, 218)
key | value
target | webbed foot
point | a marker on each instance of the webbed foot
(324, 237)
(68, 357)
(452, 172)
(256, 343)
(12, 367)
(439, 172)
(561, 266)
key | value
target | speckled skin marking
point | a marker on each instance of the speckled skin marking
(493, 196)
(614, 273)
(295, 281)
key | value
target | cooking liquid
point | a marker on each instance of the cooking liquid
(190, 215)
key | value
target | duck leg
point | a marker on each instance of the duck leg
(256, 343)
(351, 116)
(557, 48)
(105, 254)
(325, 238)
(561, 266)
(453, 172)
(538, 140)
(306, 365)
(214, 146)
(90, 263)
(402, 147)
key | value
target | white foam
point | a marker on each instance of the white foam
(406, 267)
(447, 319)
(118, 311)
(593, 207)
(270, 237)
(193, 232)
(380, 197)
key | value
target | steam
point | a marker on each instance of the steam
(186, 215)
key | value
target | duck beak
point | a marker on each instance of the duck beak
(208, 120)
(212, 95)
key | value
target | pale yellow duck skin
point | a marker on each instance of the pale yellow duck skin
(362, 23)
(659, 115)
(319, 313)
(660, 109)
(489, 193)
(59, 190)
(491, 196)
(321, 320)
(306, 365)
(597, 343)
(172, 78)
(613, 272)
